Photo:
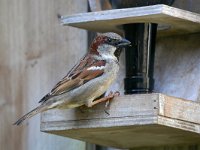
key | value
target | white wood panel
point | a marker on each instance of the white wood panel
(175, 21)
(35, 52)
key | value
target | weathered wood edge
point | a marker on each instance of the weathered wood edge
(142, 109)
(92, 135)
(170, 111)
(129, 13)
(176, 108)
(122, 106)
(99, 123)
(179, 124)
(174, 19)
(182, 14)
(112, 14)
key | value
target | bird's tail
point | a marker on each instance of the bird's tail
(35, 111)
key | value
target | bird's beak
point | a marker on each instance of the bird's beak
(123, 43)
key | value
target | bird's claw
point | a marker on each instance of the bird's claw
(117, 93)
(107, 103)
(110, 96)
(106, 112)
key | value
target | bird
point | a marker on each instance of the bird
(87, 82)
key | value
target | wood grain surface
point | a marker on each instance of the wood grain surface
(136, 120)
(35, 53)
(172, 21)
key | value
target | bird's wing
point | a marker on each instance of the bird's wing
(86, 70)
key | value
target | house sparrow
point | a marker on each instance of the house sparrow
(87, 81)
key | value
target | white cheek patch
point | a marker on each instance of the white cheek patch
(108, 56)
(96, 68)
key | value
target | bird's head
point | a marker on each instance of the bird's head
(106, 44)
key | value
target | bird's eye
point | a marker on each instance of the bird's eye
(109, 40)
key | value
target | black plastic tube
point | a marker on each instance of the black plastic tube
(140, 57)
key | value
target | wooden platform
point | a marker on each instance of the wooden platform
(133, 121)
(171, 20)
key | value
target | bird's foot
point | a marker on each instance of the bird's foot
(109, 97)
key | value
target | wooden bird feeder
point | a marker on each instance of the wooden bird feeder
(137, 120)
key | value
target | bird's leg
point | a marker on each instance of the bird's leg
(108, 102)
(110, 96)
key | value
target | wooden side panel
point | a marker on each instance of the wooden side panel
(175, 108)
(138, 120)
(176, 21)
(35, 53)
(133, 136)
(123, 110)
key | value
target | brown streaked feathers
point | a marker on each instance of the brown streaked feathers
(76, 77)
(78, 87)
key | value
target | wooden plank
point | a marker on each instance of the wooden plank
(130, 105)
(49, 53)
(180, 109)
(179, 124)
(35, 53)
(134, 109)
(132, 136)
(134, 121)
(175, 21)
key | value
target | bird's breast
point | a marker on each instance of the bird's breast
(93, 88)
